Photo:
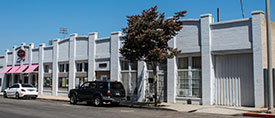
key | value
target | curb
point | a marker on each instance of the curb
(144, 107)
(53, 99)
(259, 115)
(123, 105)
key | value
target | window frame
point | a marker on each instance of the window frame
(190, 70)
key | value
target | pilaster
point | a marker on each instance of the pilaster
(115, 63)
(41, 68)
(207, 62)
(92, 52)
(141, 72)
(31, 46)
(172, 75)
(13, 62)
(55, 67)
(257, 38)
(72, 64)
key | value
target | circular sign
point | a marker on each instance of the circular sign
(21, 53)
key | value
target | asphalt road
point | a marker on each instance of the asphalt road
(12, 108)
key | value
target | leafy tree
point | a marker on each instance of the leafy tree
(146, 38)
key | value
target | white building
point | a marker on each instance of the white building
(220, 64)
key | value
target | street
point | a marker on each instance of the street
(12, 108)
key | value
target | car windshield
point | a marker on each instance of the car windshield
(116, 85)
(27, 85)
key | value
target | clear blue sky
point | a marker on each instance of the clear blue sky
(38, 21)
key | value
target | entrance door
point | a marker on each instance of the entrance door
(149, 92)
(234, 80)
(26, 80)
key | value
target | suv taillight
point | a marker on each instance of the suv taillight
(108, 92)
(23, 90)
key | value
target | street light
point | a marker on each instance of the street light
(269, 60)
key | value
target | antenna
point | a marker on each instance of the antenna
(64, 31)
(241, 1)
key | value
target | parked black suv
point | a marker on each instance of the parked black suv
(97, 92)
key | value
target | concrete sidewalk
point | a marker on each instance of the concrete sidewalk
(223, 110)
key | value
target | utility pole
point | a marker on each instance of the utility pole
(269, 61)
(218, 14)
(241, 1)
(64, 31)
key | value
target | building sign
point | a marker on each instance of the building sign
(21, 53)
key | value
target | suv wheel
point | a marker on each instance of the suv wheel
(97, 101)
(73, 99)
(5, 95)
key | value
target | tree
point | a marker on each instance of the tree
(146, 38)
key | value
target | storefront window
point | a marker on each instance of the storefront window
(134, 65)
(183, 63)
(63, 84)
(16, 79)
(189, 77)
(67, 67)
(86, 67)
(124, 65)
(48, 68)
(82, 67)
(196, 62)
(47, 83)
(0, 81)
(80, 81)
(125, 80)
(79, 67)
(134, 82)
(129, 77)
(61, 67)
(64, 67)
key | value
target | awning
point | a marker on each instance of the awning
(21, 69)
(6, 69)
(31, 69)
(14, 69)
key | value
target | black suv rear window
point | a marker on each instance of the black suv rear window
(116, 85)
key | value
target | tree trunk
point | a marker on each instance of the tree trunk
(154, 66)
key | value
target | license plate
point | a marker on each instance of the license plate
(117, 93)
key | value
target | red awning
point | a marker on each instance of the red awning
(31, 69)
(14, 69)
(21, 69)
(6, 69)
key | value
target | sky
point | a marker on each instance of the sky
(38, 21)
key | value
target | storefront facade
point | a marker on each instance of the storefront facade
(220, 63)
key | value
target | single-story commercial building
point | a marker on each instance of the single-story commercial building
(221, 63)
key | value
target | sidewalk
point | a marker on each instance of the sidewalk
(222, 110)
